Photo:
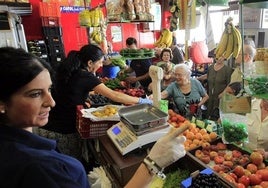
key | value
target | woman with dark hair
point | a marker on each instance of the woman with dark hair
(167, 66)
(28, 160)
(75, 78)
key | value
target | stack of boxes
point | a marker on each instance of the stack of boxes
(52, 30)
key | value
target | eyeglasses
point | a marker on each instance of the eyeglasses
(179, 75)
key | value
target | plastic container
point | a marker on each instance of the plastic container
(110, 71)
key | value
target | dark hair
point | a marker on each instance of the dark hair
(78, 60)
(131, 41)
(18, 68)
(166, 50)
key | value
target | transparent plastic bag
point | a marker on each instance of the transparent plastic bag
(234, 128)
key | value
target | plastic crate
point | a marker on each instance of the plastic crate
(52, 31)
(57, 58)
(54, 41)
(55, 49)
(49, 9)
(51, 21)
(91, 129)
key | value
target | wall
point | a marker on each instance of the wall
(74, 36)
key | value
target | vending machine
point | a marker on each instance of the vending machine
(12, 31)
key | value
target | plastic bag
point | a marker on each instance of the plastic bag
(98, 178)
(114, 10)
(234, 128)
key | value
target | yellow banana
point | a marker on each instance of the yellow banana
(237, 42)
(98, 38)
(162, 38)
(230, 44)
(221, 47)
(93, 34)
(158, 41)
(167, 37)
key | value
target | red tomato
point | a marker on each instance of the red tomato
(263, 173)
(236, 153)
(255, 179)
(244, 180)
(264, 184)
(256, 158)
(252, 168)
(240, 185)
(239, 171)
(234, 176)
(218, 159)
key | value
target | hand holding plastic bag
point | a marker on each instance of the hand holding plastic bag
(169, 148)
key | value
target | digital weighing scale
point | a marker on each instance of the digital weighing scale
(126, 140)
(141, 125)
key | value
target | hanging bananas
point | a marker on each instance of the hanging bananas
(96, 36)
(91, 18)
(230, 42)
(165, 39)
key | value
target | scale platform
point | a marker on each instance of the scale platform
(126, 140)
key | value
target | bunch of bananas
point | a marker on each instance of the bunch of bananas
(91, 18)
(165, 39)
(96, 37)
(230, 42)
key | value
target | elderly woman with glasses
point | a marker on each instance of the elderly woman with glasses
(185, 91)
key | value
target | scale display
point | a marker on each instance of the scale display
(126, 140)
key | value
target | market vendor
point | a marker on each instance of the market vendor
(257, 126)
(138, 69)
(185, 90)
(75, 78)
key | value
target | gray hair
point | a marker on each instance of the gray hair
(185, 67)
(248, 49)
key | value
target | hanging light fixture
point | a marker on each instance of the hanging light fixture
(255, 3)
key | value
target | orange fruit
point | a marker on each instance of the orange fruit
(213, 135)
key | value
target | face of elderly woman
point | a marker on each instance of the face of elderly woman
(182, 76)
(30, 106)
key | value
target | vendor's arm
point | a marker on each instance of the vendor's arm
(165, 151)
(141, 178)
(115, 96)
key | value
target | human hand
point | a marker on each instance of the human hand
(169, 148)
(121, 72)
(131, 79)
(145, 101)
